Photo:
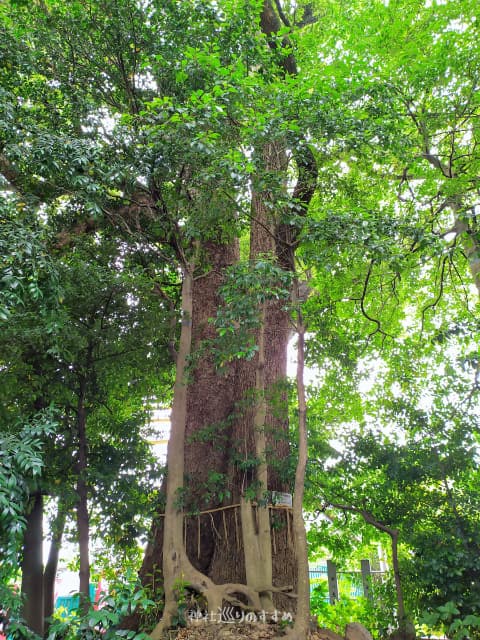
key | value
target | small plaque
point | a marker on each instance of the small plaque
(281, 499)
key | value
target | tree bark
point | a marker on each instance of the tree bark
(83, 519)
(210, 405)
(32, 567)
(217, 402)
(214, 541)
(50, 572)
(402, 618)
(173, 551)
(211, 398)
(302, 619)
(228, 562)
(178, 571)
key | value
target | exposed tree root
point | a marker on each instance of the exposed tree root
(214, 594)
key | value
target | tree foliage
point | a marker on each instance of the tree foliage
(136, 139)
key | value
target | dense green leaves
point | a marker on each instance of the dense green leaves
(22, 462)
(129, 139)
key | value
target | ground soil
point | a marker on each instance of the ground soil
(228, 631)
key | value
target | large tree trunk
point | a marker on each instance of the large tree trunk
(219, 402)
(32, 567)
(216, 539)
(210, 404)
(265, 239)
(217, 405)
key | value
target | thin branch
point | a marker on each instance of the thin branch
(453, 266)
(117, 354)
(438, 297)
(362, 304)
(106, 306)
(282, 15)
(366, 515)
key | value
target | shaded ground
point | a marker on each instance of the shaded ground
(226, 631)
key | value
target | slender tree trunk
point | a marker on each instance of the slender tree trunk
(83, 520)
(393, 533)
(302, 618)
(257, 535)
(402, 619)
(173, 551)
(50, 572)
(32, 566)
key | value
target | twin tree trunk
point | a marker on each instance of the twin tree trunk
(235, 427)
(236, 440)
(38, 584)
(224, 406)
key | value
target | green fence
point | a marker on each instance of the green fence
(351, 584)
(69, 604)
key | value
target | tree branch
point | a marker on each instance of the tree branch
(367, 516)
(438, 297)
(362, 303)
(282, 15)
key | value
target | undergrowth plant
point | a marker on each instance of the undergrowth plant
(104, 620)
(377, 615)
(448, 619)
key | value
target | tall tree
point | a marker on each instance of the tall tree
(178, 184)
(188, 136)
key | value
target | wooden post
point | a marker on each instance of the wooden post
(332, 582)
(366, 579)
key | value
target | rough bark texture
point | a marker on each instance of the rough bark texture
(217, 403)
(214, 541)
(228, 563)
(176, 564)
(264, 240)
(32, 567)
(210, 404)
